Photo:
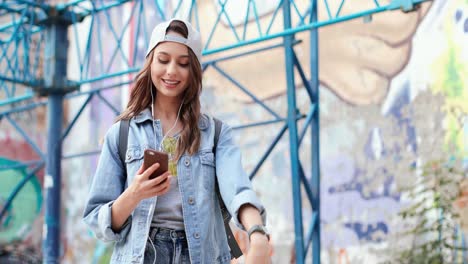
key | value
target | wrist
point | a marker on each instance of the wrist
(258, 238)
(258, 232)
(131, 197)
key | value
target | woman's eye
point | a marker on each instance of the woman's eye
(163, 61)
(184, 64)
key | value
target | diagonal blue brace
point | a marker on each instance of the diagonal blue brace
(405, 5)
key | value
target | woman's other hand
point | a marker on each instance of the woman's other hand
(259, 251)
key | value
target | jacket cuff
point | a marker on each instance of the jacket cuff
(105, 224)
(247, 196)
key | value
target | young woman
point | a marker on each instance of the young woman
(175, 217)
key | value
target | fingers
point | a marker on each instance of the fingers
(162, 188)
(140, 170)
(161, 178)
(147, 173)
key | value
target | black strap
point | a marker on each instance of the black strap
(235, 250)
(123, 141)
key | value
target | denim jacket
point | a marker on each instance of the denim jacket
(203, 222)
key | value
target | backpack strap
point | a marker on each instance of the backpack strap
(233, 246)
(123, 141)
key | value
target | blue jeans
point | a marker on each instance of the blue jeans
(166, 246)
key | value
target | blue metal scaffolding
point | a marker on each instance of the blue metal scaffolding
(34, 35)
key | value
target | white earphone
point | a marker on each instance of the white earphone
(154, 128)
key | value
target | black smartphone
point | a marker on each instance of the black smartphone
(152, 156)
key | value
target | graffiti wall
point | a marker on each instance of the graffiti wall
(394, 93)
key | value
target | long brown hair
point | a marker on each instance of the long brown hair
(140, 97)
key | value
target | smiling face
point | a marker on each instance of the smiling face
(170, 69)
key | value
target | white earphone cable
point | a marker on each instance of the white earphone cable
(154, 127)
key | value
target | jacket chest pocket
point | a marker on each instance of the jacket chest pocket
(208, 165)
(133, 161)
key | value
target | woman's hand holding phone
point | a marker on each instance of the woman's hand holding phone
(143, 186)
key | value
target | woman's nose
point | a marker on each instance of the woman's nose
(171, 68)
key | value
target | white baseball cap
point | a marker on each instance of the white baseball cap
(193, 41)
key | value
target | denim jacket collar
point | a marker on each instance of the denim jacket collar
(145, 115)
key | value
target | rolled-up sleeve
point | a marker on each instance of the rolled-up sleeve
(234, 184)
(107, 184)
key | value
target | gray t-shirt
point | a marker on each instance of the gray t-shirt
(168, 210)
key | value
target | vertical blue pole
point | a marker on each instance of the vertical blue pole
(55, 70)
(315, 130)
(52, 181)
(293, 139)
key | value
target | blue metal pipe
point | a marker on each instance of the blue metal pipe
(245, 53)
(218, 18)
(13, 24)
(16, 80)
(119, 39)
(304, 79)
(34, 4)
(273, 17)
(246, 20)
(231, 26)
(25, 136)
(83, 154)
(104, 7)
(106, 102)
(339, 8)
(174, 14)
(197, 20)
(106, 87)
(292, 31)
(307, 122)
(137, 33)
(77, 38)
(312, 226)
(293, 139)
(87, 58)
(78, 114)
(9, 9)
(34, 105)
(70, 3)
(298, 13)
(305, 182)
(16, 99)
(245, 90)
(160, 11)
(256, 124)
(108, 76)
(52, 181)
(5, 49)
(18, 165)
(22, 108)
(55, 75)
(268, 151)
(21, 165)
(315, 133)
(257, 19)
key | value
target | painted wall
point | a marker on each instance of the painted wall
(389, 101)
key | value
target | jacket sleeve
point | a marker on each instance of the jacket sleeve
(234, 184)
(108, 183)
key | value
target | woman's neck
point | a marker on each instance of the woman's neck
(166, 109)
